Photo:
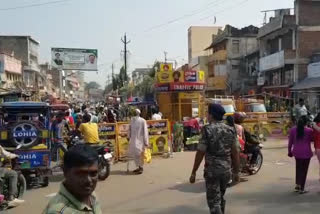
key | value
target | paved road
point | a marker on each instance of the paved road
(163, 188)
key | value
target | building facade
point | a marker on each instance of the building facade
(25, 49)
(225, 65)
(10, 72)
(198, 39)
(287, 45)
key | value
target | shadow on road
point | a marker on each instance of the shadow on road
(181, 209)
(198, 187)
(122, 172)
(268, 197)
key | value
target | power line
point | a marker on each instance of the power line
(33, 5)
(196, 12)
(227, 8)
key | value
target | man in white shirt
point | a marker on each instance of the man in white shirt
(156, 115)
(300, 110)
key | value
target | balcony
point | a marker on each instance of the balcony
(217, 83)
(277, 60)
(218, 56)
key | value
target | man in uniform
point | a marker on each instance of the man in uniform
(218, 145)
(81, 176)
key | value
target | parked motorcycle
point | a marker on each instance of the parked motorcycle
(4, 185)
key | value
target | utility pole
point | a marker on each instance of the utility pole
(125, 42)
(165, 56)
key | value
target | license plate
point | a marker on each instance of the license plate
(107, 156)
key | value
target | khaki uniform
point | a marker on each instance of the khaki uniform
(217, 141)
(65, 203)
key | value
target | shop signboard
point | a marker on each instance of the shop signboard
(187, 87)
(74, 59)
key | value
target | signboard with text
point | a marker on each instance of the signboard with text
(74, 59)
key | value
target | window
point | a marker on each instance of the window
(235, 67)
(235, 46)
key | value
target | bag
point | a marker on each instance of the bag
(147, 156)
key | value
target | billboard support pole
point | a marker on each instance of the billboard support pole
(60, 83)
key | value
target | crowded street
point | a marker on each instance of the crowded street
(164, 188)
(160, 107)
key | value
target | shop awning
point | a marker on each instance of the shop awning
(308, 83)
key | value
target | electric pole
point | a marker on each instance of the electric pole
(165, 56)
(125, 42)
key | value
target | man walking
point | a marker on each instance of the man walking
(81, 176)
(139, 140)
(300, 110)
(218, 145)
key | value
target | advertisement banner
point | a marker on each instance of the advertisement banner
(122, 137)
(190, 76)
(165, 73)
(74, 59)
(201, 76)
(107, 129)
(157, 125)
(178, 76)
(159, 144)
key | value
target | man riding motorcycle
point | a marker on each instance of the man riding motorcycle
(89, 130)
(12, 177)
(251, 144)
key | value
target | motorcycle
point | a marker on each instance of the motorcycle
(105, 153)
(245, 160)
(246, 156)
(4, 185)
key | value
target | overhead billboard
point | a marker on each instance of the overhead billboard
(74, 59)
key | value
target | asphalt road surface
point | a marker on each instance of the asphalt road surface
(164, 188)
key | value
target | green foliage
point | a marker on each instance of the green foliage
(93, 85)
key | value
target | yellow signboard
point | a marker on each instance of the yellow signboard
(166, 67)
(218, 82)
(165, 75)
(188, 96)
(201, 76)
(159, 143)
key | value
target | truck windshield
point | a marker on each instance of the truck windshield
(258, 108)
(229, 108)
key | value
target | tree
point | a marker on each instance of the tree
(93, 85)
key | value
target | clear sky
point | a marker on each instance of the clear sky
(153, 26)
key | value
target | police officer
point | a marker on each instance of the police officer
(218, 146)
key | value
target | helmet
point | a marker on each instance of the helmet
(239, 117)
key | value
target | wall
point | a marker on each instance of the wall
(18, 46)
(199, 38)
(308, 11)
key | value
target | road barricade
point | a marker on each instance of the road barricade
(118, 135)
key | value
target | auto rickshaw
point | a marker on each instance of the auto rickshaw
(24, 130)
